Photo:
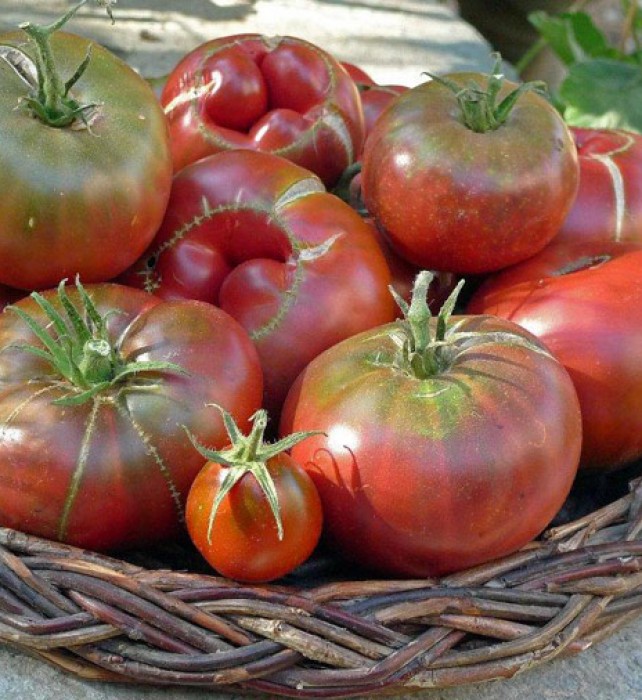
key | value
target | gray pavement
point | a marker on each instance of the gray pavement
(394, 40)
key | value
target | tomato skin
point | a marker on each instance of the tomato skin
(114, 472)
(584, 301)
(84, 201)
(425, 477)
(608, 205)
(472, 202)
(244, 542)
(375, 99)
(297, 267)
(293, 99)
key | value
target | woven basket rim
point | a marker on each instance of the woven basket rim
(103, 618)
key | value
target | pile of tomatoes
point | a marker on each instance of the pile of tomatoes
(201, 335)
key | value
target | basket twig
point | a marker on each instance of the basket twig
(101, 618)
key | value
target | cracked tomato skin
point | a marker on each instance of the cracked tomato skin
(422, 477)
(114, 472)
(584, 301)
(472, 202)
(279, 95)
(76, 200)
(260, 237)
(608, 205)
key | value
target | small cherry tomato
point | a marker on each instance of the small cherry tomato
(253, 512)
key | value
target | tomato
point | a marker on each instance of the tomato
(404, 274)
(447, 442)
(85, 197)
(252, 511)
(481, 186)
(609, 199)
(278, 95)
(259, 236)
(360, 76)
(584, 301)
(375, 99)
(93, 450)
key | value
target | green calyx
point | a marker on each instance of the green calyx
(50, 99)
(480, 110)
(247, 454)
(426, 348)
(76, 343)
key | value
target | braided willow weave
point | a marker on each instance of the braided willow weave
(106, 619)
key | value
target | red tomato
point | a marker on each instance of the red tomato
(475, 194)
(436, 457)
(357, 73)
(375, 99)
(404, 274)
(93, 450)
(278, 95)
(84, 197)
(258, 235)
(584, 301)
(609, 200)
(258, 515)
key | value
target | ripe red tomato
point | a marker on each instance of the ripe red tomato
(278, 95)
(609, 199)
(92, 447)
(252, 511)
(86, 197)
(375, 99)
(436, 457)
(584, 301)
(469, 194)
(259, 236)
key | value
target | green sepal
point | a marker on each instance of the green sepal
(78, 347)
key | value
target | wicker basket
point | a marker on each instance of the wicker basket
(321, 634)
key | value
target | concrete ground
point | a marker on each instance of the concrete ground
(394, 40)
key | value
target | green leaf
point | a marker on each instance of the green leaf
(603, 93)
(573, 36)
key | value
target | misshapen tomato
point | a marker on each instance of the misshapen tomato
(448, 442)
(261, 237)
(278, 95)
(93, 450)
(584, 301)
(608, 205)
(462, 183)
(85, 192)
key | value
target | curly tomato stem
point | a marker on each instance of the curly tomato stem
(480, 110)
(51, 102)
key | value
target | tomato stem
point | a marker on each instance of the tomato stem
(479, 108)
(423, 348)
(75, 342)
(50, 101)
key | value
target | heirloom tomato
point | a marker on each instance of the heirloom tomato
(608, 205)
(278, 95)
(469, 173)
(584, 301)
(85, 166)
(446, 442)
(96, 387)
(260, 237)
(252, 511)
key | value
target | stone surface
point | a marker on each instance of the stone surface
(394, 40)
